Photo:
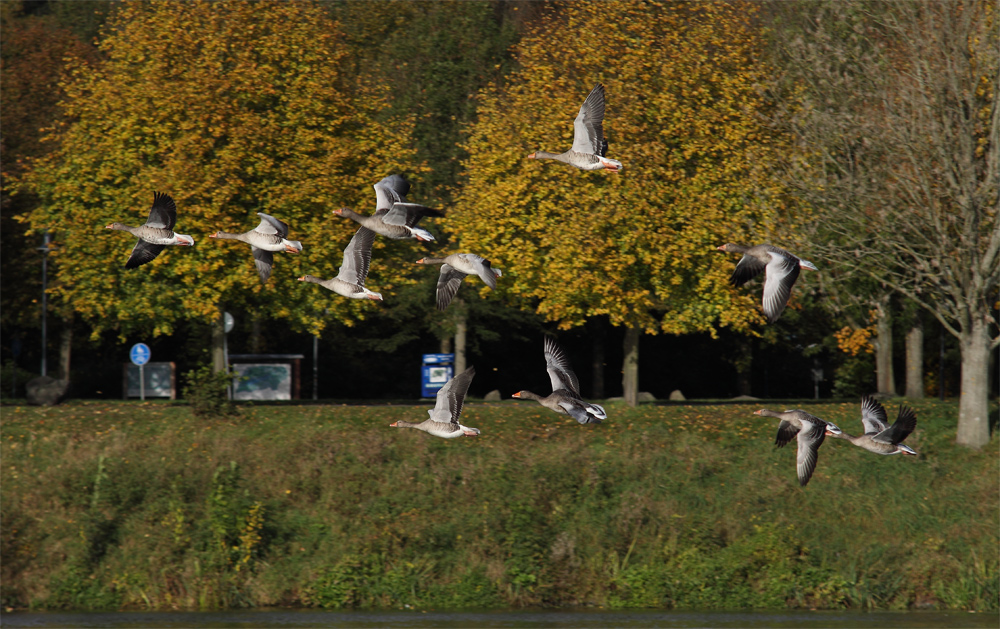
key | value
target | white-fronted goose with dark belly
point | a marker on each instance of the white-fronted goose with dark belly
(443, 420)
(589, 146)
(879, 437)
(270, 236)
(156, 233)
(809, 431)
(454, 268)
(565, 397)
(350, 280)
(781, 270)
(394, 217)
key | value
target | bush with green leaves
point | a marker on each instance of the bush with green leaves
(208, 392)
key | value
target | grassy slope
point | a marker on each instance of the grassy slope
(141, 505)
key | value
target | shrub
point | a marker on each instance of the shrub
(208, 392)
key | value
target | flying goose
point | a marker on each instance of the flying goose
(270, 236)
(350, 280)
(781, 270)
(394, 218)
(565, 397)
(879, 437)
(454, 268)
(809, 431)
(156, 233)
(589, 145)
(443, 421)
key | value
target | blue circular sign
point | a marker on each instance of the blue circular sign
(140, 354)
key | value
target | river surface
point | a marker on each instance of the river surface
(513, 619)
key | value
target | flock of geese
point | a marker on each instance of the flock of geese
(396, 218)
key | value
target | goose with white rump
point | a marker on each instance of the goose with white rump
(394, 217)
(781, 269)
(565, 397)
(808, 430)
(454, 269)
(270, 236)
(443, 420)
(880, 437)
(156, 233)
(589, 146)
(350, 280)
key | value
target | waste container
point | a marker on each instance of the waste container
(435, 372)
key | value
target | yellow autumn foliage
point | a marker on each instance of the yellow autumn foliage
(683, 115)
(232, 108)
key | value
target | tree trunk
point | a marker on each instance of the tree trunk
(886, 381)
(915, 361)
(219, 342)
(65, 348)
(973, 408)
(630, 367)
(461, 328)
(256, 338)
(446, 345)
(597, 358)
(743, 364)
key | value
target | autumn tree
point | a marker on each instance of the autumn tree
(232, 108)
(682, 115)
(898, 138)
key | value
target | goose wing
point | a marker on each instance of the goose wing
(142, 253)
(449, 281)
(782, 271)
(408, 214)
(163, 213)
(264, 260)
(389, 190)
(451, 398)
(557, 365)
(905, 423)
(749, 267)
(357, 257)
(810, 439)
(271, 225)
(588, 128)
(873, 415)
(786, 432)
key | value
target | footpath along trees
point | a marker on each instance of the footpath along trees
(682, 115)
(232, 108)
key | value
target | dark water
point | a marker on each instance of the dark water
(513, 619)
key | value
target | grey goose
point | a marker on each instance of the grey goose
(781, 269)
(808, 430)
(156, 233)
(565, 397)
(350, 280)
(589, 146)
(880, 437)
(394, 217)
(443, 420)
(454, 269)
(270, 236)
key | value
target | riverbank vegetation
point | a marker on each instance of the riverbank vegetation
(143, 505)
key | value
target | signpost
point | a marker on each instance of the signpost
(140, 355)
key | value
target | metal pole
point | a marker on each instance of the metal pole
(941, 367)
(225, 359)
(315, 367)
(142, 383)
(45, 303)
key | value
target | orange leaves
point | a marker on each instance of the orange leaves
(682, 115)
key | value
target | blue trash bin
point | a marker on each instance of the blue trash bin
(436, 370)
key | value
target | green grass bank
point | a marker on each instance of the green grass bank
(141, 505)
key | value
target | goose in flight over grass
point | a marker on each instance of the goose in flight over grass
(880, 437)
(808, 430)
(270, 236)
(156, 233)
(781, 269)
(589, 146)
(443, 420)
(565, 397)
(394, 217)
